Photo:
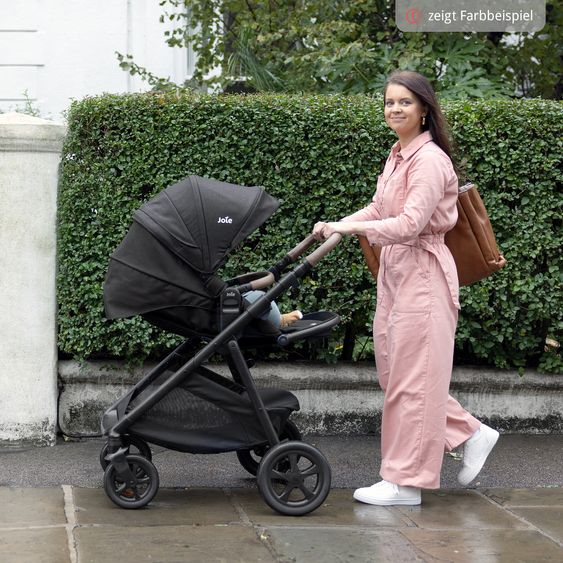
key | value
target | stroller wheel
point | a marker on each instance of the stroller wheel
(294, 478)
(135, 445)
(139, 490)
(250, 459)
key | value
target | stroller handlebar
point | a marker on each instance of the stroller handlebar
(301, 247)
(312, 259)
(317, 255)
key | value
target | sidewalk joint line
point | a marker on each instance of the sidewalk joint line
(262, 532)
(238, 508)
(408, 521)
(70, 513)
(521, 518)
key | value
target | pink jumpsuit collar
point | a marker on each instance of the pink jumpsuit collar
(413, 146)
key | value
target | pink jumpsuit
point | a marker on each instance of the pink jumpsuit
(416, 316)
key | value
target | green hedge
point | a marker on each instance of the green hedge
(321, 157)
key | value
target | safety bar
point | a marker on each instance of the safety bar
(322, 328)
(312, 259)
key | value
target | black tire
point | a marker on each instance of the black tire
(135, 446)
(294, 478)
(250, 459)
(135, 496)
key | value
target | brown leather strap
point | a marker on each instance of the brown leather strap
(371, 255)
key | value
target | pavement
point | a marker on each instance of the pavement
(208, 509)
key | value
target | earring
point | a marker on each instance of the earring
(423, 120)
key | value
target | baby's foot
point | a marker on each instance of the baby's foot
(290, 318)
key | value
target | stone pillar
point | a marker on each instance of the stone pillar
(30, 151)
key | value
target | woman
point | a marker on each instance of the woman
(417, 300)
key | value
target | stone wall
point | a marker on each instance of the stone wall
(334, 399)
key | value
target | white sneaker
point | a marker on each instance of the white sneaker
(387, 494)
(475, 453)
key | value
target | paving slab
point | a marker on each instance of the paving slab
(339, 509)
(34, 545)
(321, 545)
(484, 546)
(459, 510)
(170, 507)
(540, 507)
(171, 544)
(31, 507)
(537, 496)
(549, 519)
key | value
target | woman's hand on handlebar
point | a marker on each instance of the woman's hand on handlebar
(322, 230)
(318, 230)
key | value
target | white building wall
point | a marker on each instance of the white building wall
(53, 51)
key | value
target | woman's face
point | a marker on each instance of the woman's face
(403, 111)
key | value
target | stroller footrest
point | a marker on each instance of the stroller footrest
(312, 325)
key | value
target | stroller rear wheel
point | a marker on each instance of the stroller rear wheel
(135, 490)
(294, 478)
(134, 445)
(250, 459)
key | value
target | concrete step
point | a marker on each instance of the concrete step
(334, 398)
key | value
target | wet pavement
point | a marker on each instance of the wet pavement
(208, 509)
(81, 525)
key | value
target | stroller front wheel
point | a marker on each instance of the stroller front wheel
(294, 478)
(250, 459)
(134, 445)
(137, 488)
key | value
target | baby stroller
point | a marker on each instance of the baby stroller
(165, 270)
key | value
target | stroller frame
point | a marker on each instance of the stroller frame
(293, 476)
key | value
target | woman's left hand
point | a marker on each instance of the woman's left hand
(322, 230)
(331, 228)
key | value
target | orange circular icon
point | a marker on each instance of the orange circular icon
(412, 16)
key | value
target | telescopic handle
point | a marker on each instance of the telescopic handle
(312, 259)
(317, 255)
(301, 247)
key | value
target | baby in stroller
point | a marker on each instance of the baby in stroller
(273, 315)
(165, 270)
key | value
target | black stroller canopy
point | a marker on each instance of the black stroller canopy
(202, 220)
(177, 241)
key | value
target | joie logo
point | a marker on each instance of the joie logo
(225, 220)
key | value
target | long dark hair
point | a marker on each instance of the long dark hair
(435, 121)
